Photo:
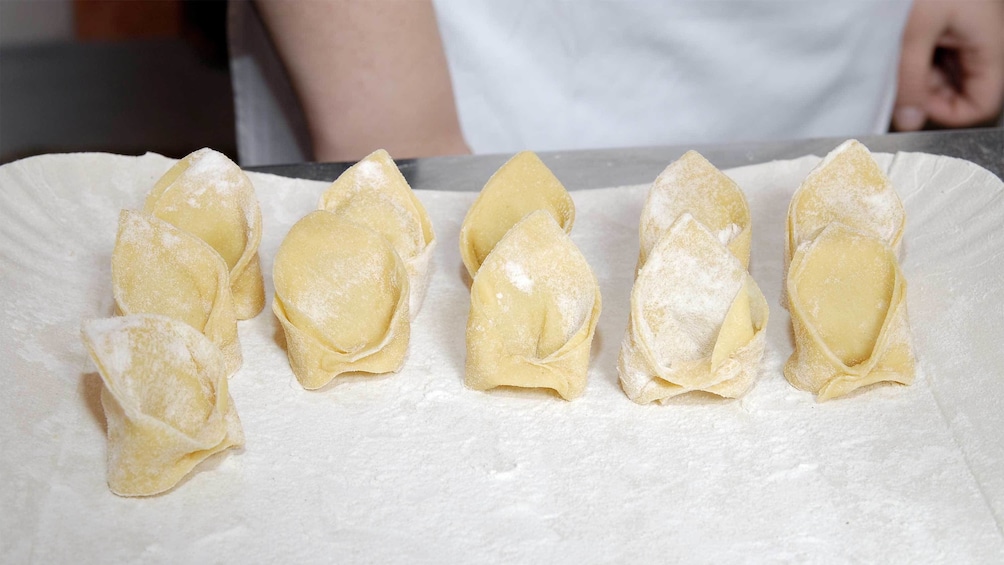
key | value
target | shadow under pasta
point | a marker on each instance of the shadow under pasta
(90, 392)
(696, 398)
(507, 391)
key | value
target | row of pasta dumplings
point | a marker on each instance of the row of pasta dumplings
(697, 318)
(348, 279)
(184, 271)
(350, 276)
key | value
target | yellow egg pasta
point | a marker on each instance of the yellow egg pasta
(522, 185)
(847, 299)
(847, 186)
(534, 307)
(373, 193)
(693, 185)
(208, 195)
(341, 295)
(165, 400)
(697, 319)
(160, 269)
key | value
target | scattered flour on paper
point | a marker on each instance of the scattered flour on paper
(892, 473)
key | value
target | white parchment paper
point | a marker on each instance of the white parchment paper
(413, 467)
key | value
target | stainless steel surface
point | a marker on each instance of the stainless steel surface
(615, 167)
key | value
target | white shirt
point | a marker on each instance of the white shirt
(571, 74)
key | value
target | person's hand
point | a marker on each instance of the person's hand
(951, 69)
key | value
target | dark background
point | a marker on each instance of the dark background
(112, 75)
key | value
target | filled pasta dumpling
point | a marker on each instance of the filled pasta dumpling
(848, 187)
(160, 269)
(165, 399)
(697, 320)
(847, 298)
(534, 307)
(373, 193)
(208, 195)
(522, 185)
(341, 295)
(691, 184)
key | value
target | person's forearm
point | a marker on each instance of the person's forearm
(369, 74)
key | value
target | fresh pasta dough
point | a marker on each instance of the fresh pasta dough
(847, 298)
(208, 195)
(534, 307)
(691, 184)
(520, 186)
(847, 187)
(843, 284)
(697, 319)
(165, 399)
(341, 295)
(373, 193)
(160, 269)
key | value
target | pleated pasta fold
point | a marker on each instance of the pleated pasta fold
(208, 195)
(165, 400)
(844, 287)
(534, 307)
(848, 187)
(697, 319)
(160, 269)
(522, 185)
(693, 185)
(847, 299)
(373, 193)
(342, 297)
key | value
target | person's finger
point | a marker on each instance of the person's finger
(915, 75)
(916, 68)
